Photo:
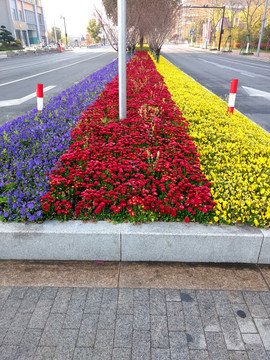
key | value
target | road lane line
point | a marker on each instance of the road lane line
(256, 65)
(256, 92)
(48, 71)
(14, 102)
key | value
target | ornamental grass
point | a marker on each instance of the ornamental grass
(235, 153)
(31, 144)
(141, 168)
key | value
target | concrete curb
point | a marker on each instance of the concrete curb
(166, 242)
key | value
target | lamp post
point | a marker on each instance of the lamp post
(263, 24)
(122, 59)
(62, 17)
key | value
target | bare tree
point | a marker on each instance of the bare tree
(251, 13)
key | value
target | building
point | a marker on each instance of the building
(25, 20)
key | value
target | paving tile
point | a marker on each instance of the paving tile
(244, 319)
(123, 331)
(52, 330)
(74, 314)
(190, 304)
(172, 295)
(178, 345)
(121, 354)
(3, 332)
(30, 299)
(4, 294)
(195, 333)
(48, 293)
(110, 295)
(231, 333)
(79, 294)
(141, 345)
(159, 332)
(125, 302)
(222, 302)
(66, 344)
(40, 314)
(265, 297)
(8, 312)
(238, 355)
(235, 297)
(28, 345)
(44, 353)
(103, 348)
(93, 301)
(141, 315)
(62, 300)
(107, 315)
(254, 346)
(8, 352)
(17, 292)
(157, 302)
(88, 330)
(160, 354)
(263, 326)
(208, 312)
(175, 316)
(141, 294)
(17, 329)
(198, 355)
(83, 353)
(216, 346)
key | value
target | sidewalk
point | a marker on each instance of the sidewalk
(263, 56)
(112, 310)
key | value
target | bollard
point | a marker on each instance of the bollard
(232, 96)
(40, 97)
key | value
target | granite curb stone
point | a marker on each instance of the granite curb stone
(166, 242)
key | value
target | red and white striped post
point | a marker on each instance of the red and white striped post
(232, 96)
(40, 97)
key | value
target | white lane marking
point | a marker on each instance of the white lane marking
(14, 102)
(243, 72)
(48, 71)
(256, 65)
(256, 92)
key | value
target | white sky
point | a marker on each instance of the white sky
(77, 14)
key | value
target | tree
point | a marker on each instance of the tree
(93, 29)
(5, 35)
(51, 35)
(251, 13)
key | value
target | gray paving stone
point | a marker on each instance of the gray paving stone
(123, 331)
(190, 304)
(172, 295)
(110, 295)
(222, 302)
(265, 297)
(79, 294)
(83, 353)
(231, 333)
(141, 345)
(17, 329)
(252, 297)
(178, 346)
(30, 299)
(121, 354)
(258, 311)
(13, 337)
(263, 325)
(238, 355)
(141, 315)
(8, 312)
(103, 348)
(18, 292)
(159, 332)
(160, 354)
(52, 330)
(198, 355)
(74, 314)
(93, 301)
(88, 330)
(208, 312)
(4, 294)
(107, 315)
(236, 297)
(66, 344)
(125, 302)
(157, 302)
(141, 294)
(195, 333)
(175, 316)
(8, 352)
(28, 345)
(48, 293)
(254, 346)
(216, 346)
(61, 301)
(244, 319)
(40, 314)
(3, 332)
(44, 353)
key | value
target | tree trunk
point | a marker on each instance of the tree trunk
(141, 41)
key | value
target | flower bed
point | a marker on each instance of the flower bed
(142, 168)
(30, 145)
(235, 153)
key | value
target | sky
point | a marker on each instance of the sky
(77, 13)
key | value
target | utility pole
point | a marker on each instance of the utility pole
(62, 17)
(122, 62)
(263, 24)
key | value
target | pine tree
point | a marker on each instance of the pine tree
(5, 35)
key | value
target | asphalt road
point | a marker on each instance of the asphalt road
(19, 76)
(215, 72)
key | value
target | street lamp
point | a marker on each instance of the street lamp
(62, 17)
